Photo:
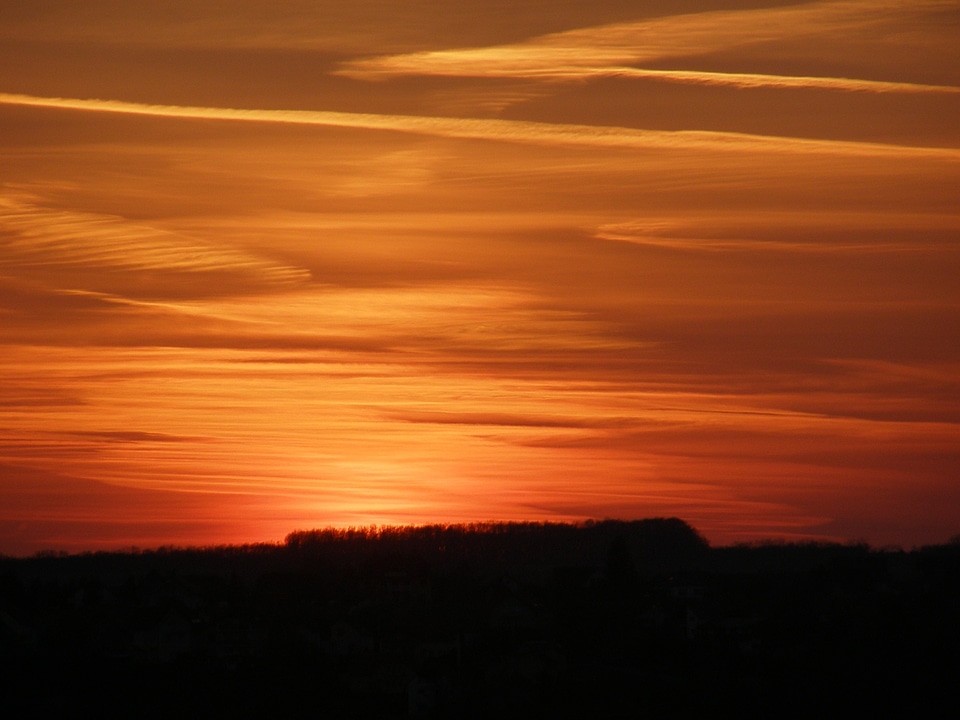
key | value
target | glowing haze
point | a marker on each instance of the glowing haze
(267, 266)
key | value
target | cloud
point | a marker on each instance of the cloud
(373, 70)
(42, 509)
(76, 251)
(346, 317)
(787, 232)
(129, 436)
(615, 50)
(504, 130)
(508, 420)
(761, 80)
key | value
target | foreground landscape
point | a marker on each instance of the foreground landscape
(602, 619)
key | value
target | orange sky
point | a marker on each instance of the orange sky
(268, 266)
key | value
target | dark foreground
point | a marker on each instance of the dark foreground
(606, 619)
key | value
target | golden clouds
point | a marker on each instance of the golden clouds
(501, 130)
(760, 80)
(711, 277)
(37, 239)
(888, 232)
(615, 49)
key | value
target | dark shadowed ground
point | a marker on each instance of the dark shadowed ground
(608, 619)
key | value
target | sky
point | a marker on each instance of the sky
(268, 266)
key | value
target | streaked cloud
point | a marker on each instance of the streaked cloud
(890, 232)
(587, 262)
(615, 50)
(426, 65)
(760, 80)
(501, 130)
(56, 241)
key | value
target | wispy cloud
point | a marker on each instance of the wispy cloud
(129, 436)
(502, 130)
(428, 64)
(792, 233)
(239, 320)
(509, 420)
(761, 80)
(616, 50)
(70, 244)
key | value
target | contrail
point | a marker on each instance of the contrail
(565, 65)
(761, 80)
(519, 131)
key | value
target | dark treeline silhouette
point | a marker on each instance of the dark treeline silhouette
(598, 619)
(658, 543)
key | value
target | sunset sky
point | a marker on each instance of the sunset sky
(268, 266)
